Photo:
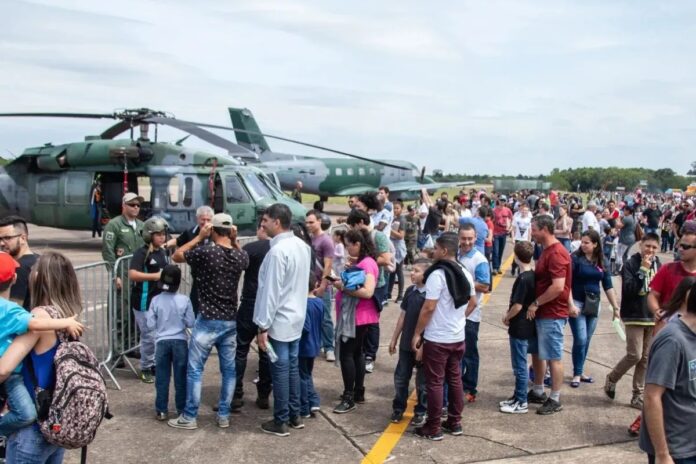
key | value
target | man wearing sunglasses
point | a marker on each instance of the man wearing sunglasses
(14, 240)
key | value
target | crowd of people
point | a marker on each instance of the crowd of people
(308, 290)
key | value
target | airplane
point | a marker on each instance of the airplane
(52, 185)
(330, 176)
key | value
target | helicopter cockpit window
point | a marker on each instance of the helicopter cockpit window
(257, 188)
(47, 189)
(188, 191)
(234, 192)
(272, 186)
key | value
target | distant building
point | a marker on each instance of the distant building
(514, 185)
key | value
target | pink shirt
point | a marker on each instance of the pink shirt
(366, 311)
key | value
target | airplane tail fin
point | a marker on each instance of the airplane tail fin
(243, 119)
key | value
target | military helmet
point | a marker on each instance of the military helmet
(152, 226)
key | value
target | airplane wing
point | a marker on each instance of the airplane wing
(417, 186)
(355, 189)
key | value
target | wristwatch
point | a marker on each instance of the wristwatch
(536, 303)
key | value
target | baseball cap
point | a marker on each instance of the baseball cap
(222, 220)
(8, 267)
(130, 196)
(170, 278)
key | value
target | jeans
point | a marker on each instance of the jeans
(206, 334)
(498, 249)
(371, 343)
(638, 338)
(22, 410)
(398, 274)
(28, 446)
(286, 381)
(565, 242)
(353, 362)
(518, 356)
(170, 355)
(470, 360)
(147, 341)
(442, 362)
(246, 332)
(308, 395)
(402, 379)
(622, 253)
(583, 328)
(327, 325)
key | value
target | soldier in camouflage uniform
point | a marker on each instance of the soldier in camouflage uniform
(412, 225)
(122, 236)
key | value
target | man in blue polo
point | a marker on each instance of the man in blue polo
(479, 223)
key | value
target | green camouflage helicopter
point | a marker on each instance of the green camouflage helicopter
(53, 185)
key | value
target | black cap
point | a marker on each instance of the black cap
(170, 278)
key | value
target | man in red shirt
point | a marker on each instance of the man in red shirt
(502, 225)
(551, 310)
(670, 275)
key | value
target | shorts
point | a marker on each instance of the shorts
(550, 338)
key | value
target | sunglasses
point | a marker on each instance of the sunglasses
(684, 246)
(134, 205)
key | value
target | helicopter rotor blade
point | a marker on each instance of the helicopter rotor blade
(61, 115)
(306, 144)
(207, 136)
(116, 130)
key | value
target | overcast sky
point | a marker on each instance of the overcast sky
(488, 86)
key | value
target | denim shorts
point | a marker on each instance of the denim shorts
(550, 338)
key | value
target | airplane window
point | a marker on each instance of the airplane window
(234, 192)
(173, 190)
(350, 171)
(47, 189)
(373, 172)
(339, 171)
(188, 191)
(77, 188)
(361, 171)
(257, 188)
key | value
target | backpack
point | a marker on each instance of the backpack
(70, 415)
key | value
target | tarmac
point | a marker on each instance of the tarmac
(590, 429)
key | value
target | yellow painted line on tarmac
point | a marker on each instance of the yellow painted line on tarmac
(392, 434)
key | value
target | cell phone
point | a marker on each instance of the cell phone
(330, 278)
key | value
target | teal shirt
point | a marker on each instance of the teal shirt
(14, 320)
(382, 246)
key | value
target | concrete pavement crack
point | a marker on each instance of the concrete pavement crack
(507, 445)
(575, 448)
(344, 433)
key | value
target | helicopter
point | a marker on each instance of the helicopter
(52, 185)
(330, 176)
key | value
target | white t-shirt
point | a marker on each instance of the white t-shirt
(521, 226)
(421, 210)
(447, 324)
(590, 220)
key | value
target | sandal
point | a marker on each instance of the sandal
(575, 384)
(587, 379)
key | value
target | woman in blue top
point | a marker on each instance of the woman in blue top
(588, 273)
(53, 283)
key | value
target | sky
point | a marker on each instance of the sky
(479, 87)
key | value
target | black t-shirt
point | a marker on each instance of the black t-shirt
(432, 222)
(188, 235)
(216, 272)
(257, 251)
(20, 290)
(523, 292)
(653, 217)
(411, 304)
(142, 293)
(679, 220)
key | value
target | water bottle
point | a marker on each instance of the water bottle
(272, 356)
(619, 329)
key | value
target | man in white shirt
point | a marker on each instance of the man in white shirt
(450, 294)
(279, 313)
(589, 218)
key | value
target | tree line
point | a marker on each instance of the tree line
(591, 178)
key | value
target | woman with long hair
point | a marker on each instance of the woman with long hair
(356, 309)
(564, 227)
(588, 274)
(54, 288)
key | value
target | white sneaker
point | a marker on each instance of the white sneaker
(369, 367)
(515, 408)
(330, 356)
(507, 402)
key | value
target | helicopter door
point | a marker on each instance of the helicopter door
(45, 195)
(238, 203)
(75, 210)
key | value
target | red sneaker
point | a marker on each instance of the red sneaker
(471, 398)
(634, 428)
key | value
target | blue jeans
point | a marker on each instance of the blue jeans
(308, 395)
(518, 356)
(402, 380)
(206, 334)
(28, 446)
(470, 360)
(286, 381)
(327, 326)
(583, 328)
(22, 410)
(147, 341)
(170, 355)
(565, 242)
(499, 242)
